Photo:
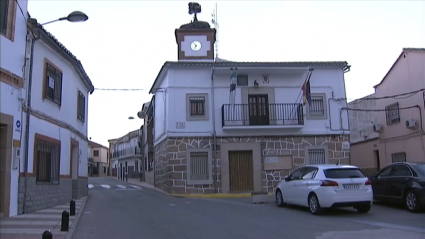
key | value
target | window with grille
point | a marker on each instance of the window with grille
(317, 156)
(199, 169)
(53, 84)
(398, 157)
(4, 7)
(95, 153)
(392, 114)
(81, 110)
(48, 158)
(197, 105)
(317, 107)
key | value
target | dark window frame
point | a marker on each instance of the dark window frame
(96, 153)
(81, 106)
(47, 156)
(197, 105)
(53, 79)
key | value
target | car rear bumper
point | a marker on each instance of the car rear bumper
(333, 199)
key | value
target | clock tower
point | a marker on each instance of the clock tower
(195, 40)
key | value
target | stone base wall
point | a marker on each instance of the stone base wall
(170, 159)
(41, 196)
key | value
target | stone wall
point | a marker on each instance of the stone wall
(40, 196)
(170, 159)
(295, 146)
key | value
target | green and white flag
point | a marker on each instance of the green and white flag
(233, 79)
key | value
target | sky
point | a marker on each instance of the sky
(123, 44)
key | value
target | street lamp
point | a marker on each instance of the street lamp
(75, 16)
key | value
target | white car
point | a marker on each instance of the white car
(326, 186)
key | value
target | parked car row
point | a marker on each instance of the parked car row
(320, 187)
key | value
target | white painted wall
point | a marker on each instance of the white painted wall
(71, 83)
(12, 58)
(53, 131)
(287, 84)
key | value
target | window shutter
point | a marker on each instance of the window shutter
(58, 87)
(4, 5)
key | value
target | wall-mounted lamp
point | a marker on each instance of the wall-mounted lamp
(256, 84)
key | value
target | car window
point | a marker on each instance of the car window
(420, 169)
(308, 173)
(343, 173)
(385, 172)
(400, 171)
(296, 174)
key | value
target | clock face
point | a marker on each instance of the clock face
(195, 46)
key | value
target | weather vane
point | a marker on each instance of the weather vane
(194, 8)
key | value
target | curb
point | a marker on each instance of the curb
(75, 221)
(213, 195)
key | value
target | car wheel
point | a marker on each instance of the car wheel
(279, 199)
(412, 202)
(364, 209)
(314, 205)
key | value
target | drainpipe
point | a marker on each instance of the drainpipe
(27, 123)
(214, 158)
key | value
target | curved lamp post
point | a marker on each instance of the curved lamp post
(75, 16)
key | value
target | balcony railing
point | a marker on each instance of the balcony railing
(262, 114)
(128, 152)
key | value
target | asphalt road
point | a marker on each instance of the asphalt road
(113, 211)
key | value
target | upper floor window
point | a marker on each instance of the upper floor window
(81, 106)
(317, 108)
(7, 18)
(197, 106)
(242, 80)
(53, 83)
(392, 114)
(95, 153)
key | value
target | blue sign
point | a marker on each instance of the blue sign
(18, 124)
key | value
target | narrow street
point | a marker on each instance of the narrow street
(117, 209)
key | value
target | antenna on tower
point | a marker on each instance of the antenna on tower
(216, 26)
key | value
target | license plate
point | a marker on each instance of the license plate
(351, 186)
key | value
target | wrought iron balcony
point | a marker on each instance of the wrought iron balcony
(262, 114)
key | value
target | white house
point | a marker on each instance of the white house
(54, 161)
(127, 154)
(12, 94)
(210, 140)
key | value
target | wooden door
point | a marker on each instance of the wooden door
(241, 171)
(258, 110)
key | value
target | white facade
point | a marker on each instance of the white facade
(12, 61)
(62, 123)
(126, 153)
(176, 80)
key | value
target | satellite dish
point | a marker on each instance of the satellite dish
(141, 114)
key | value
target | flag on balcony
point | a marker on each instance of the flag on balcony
(233, 79)
(306, 89)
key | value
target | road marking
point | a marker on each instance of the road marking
(105, 186)
(90, 186)
(137, 187)
(121, 186)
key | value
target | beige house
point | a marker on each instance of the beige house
(399, 121)
(98, 160)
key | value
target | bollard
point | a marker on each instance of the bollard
(65, 221)
(72, 207)
(47, 235)
(126, 177)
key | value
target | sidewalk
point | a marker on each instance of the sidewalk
(32, 225)
(137, 182)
